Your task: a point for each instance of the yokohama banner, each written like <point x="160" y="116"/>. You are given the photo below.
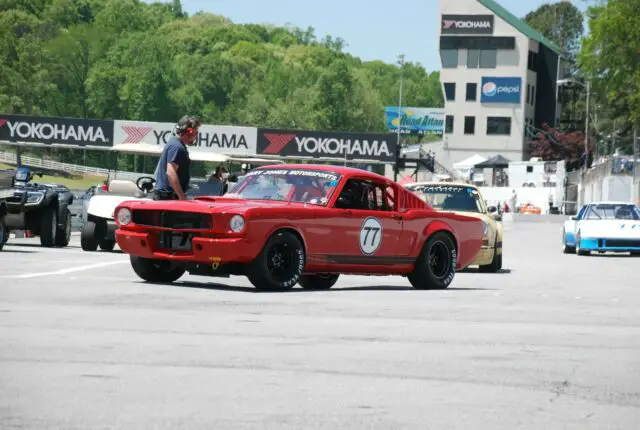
<point x="320" y="144"/>
<point x="55" y="130"/>
<point x="223" y="139"/>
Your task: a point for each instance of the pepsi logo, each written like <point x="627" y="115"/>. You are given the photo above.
<point x="489" y="89"/>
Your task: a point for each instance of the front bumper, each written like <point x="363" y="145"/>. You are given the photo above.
<point x="604" y="244"/>
<point x="204" y="250"/>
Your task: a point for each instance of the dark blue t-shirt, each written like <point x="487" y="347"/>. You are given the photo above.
<point x="173" y="152"/>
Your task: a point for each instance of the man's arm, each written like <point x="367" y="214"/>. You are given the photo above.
<point x="174" y="180"/>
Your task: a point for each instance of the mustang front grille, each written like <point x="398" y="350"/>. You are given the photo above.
<point x="171" y="219"/>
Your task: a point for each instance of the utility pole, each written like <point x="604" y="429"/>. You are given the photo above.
<point x="586" y="129"/>
<point x="401" y="63"/>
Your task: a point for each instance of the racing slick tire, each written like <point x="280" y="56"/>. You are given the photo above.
<point x="107" y="244"/>
<point x="160" y="271"/>
<point x="279" y="265"/>
<point x="318" y="282"/>
<point x="567" y="249"/>
<point x="496" y="262"/>
<point x="48" y="227"/>
<point x="579" y="250"/>
<point x="63" y="235"/>
<point x="88" y="236"/>
<point x="436" y="265"/>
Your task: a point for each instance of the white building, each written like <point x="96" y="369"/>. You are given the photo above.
<point x="498" y="76"/>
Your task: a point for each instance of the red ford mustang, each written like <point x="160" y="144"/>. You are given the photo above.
<point x="288" y="224"/>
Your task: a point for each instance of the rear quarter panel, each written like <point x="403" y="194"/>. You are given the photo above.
<point x="467" y="232"/>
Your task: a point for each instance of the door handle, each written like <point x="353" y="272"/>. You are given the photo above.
<point x="398" y="217"/>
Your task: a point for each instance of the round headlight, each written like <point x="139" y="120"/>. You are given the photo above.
<point x="124" y="216"/>
<point x="236" y="224"/>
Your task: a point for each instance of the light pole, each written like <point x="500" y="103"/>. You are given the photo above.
<point x="586" y="86"/>
<point x="401" y="63"/>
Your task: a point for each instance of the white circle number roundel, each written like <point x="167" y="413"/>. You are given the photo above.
<point x="370" y="236"/>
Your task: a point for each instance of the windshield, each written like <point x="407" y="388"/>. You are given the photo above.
<point x="305" y="186"/>
<point x="449" y="197"/>
<point x="612" y="211"/>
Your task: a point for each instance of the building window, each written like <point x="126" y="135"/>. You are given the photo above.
<point x="528" y="93"/>
<point x="482" y="58"/>
<point x="469" y="125"/>
<point x="532" y="62"/>
<point x="450" y="91"/>
<point x="533" y="95"/>
<point x="529" y="169"/>
<point x="448" y="128"/>
<point x="472" y="89"/>
<point x="488" y="59"/>
<point x="449" y="58"/>
<point x="473" y="58"/>
<point x="499" y="125"/>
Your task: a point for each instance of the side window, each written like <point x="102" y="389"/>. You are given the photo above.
<point x="365" y="195"/>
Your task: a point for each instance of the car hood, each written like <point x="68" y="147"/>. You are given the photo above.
<point x="209" y="205"/>
<point x="610" y="228"/>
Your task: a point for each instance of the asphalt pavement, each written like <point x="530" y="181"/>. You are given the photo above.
<point x="552" y="342"/>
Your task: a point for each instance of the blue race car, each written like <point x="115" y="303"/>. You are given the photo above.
<point x="603" y="227"/>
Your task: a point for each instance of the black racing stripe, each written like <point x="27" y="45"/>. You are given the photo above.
<point x="364" y="259"/>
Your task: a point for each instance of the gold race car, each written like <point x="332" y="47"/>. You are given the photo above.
<point x="466" y="200"/>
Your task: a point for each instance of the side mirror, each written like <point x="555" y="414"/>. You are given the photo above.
<point x="574" y="218"/>
<point x="492" y="209"/>
<point x="496" y="216"/>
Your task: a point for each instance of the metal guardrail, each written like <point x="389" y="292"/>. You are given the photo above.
<point x="9" y="157"/>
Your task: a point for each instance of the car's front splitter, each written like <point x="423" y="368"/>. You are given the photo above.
<point x="617" y="245"/>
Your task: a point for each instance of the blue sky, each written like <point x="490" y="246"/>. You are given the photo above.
<point x="373" y="29"/>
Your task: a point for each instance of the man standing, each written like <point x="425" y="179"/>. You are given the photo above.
<point x="173" y="172"/>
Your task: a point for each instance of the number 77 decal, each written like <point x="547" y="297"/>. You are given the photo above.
<point x="370" y="236"/>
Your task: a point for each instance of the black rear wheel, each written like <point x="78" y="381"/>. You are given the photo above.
<point x="279" y="265"/>
<point x="107" y="244"/>
<point x="161" y="271"/>
<point x="436" y="265"/>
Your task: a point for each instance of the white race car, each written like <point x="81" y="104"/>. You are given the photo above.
<point x="603" y="227"/>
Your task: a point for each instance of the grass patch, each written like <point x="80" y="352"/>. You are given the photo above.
<point x="74" y="182"/>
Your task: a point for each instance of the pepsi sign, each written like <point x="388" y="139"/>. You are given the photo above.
<point x="500" y="90"/>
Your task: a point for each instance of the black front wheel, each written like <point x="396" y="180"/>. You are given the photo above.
<point x="436" y="265"/>
<point x="318" y="282"/>
<point x="161" y="271"/>
<point x="279" y="265"/>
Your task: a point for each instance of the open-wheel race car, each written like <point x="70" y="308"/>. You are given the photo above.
<point x="300" y="224"/>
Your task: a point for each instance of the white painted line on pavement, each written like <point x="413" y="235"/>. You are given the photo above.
<point x="69" y="270"/>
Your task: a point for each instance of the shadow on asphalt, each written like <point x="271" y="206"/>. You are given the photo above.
<point x="220" y="287"/>
<point x="16" y="251"/>
<point x="476" y="270"/>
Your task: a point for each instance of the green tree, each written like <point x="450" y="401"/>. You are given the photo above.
<point x="610" y="57"/>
